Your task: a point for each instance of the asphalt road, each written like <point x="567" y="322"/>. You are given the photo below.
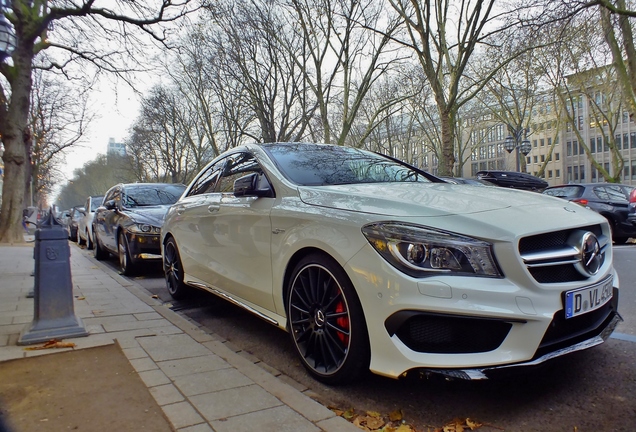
<point x="594" y="390"/>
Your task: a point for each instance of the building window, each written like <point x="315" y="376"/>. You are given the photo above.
<point x="557" y="173"/>
<point x="626" y="172"/>
<point x="549" y="173"/>
<point x="528" y="160"/>
<point x="592" y="145"/>
<point x="569" y="177"/>
<point x="556" y="156"/>
<point x="534" y="143"/>
<point x="582" y="172"/>
<point x="542" y="158"/>
<point x="593" y="170"/>
<point x="535" y="159"/>
<point x="473" y="169"/>
<point x="568" y="148"/>
<point x="576" y="173"/>
<point x="542" y="142"/>
<point x="549" y="142"/>
<point x="575" y="147"/>
<point x="618" y="142"/>
<point x="634" y="170"/>
<point x="632" y="140"/>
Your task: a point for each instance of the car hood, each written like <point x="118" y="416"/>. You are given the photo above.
<point x="420" y="199"/>
<point x="491" y="212"/>
<point x="148" y="215"/>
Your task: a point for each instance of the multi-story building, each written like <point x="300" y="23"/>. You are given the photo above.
<point x="115" y="147"/>
<point x="568" y="143"/>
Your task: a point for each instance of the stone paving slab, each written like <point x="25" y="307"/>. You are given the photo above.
<point x="201" y="383"/>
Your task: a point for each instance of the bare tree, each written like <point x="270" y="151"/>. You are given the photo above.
<point x="54" y="35"/>
<point x="445" y="36"/>
<point x="58" y="119"/>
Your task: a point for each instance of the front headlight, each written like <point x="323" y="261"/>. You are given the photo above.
<point x="420" y="252"/>
<point x="144" y="229"/>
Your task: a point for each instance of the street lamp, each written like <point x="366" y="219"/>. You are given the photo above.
<point x="7" y="37"/>
<point x="514" y="142"/>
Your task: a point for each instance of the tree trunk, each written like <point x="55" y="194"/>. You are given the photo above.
<point x="15" y="136"/>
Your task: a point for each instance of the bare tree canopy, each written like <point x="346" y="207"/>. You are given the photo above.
<point x="54" y="35"/>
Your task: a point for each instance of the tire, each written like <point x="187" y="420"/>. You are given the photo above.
<point x="326" y="321"/>
<point x="127" y="266"/>
<point x="79" y="239"/>
<point x="173" y="271"/>
<point x="89" y="241"/>
<point x="99" y="252"/>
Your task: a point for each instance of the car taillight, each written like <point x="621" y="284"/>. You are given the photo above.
<point x="632" y="196"/>
<point x="581" y="201"/>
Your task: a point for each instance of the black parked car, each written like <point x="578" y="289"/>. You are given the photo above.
<point x="129" y="222"/>
<point x="609" y="199"/>
<point x="512" y="179"/>
<point x="75" y="214"/>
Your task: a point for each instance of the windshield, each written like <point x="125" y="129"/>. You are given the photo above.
<point x="322" y="164"/>
<point x="151" y="194"/>
<point x="96" y="201"/>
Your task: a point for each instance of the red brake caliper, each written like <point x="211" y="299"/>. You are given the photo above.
<point x="343" y="323"/>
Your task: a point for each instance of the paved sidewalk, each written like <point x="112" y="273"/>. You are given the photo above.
<point x="201" y="383"/>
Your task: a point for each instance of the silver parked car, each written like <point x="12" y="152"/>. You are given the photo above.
<point x="372" y="264"/>
<point x="85" y="226"/>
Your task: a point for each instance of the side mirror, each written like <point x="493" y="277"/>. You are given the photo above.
<point x="252" y="185"/>
<point x="110" y="204"/>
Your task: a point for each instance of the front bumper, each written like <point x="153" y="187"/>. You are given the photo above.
<point x="471" y="326"/>
<point x="485" y="373"/>
<point x="144" y="247"/>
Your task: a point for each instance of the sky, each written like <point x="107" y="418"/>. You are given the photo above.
<point x="116" y="107"/>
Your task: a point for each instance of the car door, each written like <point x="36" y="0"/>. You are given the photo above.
<point x="192" y="211"/>
<point x="238" y="235"/>
<point x="108" y="236"/>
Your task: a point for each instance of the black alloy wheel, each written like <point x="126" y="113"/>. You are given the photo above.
<point x="126" y="264"/>
<point x="326" y="321"/>
<point x="173" y="271"/>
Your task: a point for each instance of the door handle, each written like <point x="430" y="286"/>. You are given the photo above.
<point x="180" y="210"/>
<point x="214" y="208"/>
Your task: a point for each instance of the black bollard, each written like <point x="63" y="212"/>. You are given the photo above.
<point x="54" y="313"/>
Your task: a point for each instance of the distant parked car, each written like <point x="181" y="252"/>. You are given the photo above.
<point x="461" y="180"/>
<point x="76" y="213"/>
<point x="129" y="222"/>
<point x="85" y="228"/>
<point x="609" y="199"/>
<point x="512" y="179"/>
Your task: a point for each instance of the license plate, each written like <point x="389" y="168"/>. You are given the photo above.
<point x="584" y="300"/>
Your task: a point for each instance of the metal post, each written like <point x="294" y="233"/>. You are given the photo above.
<point x="54" y="315"/>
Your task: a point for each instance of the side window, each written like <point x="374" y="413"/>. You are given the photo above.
<point x="207" y="180"/>
<point x="616" y="194"/>
<point x="239" y="165"/>
<point x="601" y="193"/>
<point x="111" y="194"/>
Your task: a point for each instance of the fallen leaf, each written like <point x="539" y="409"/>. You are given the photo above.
<point x="455" y="425"/>
<point x="473" y="424"/>
<point x="348" y="414"/>
<point x="81" y="298"/>
<point x="53" y="343"/>
<point x="155" y="296"/>
<point x="404" y="428"/>
<point x="336" y="411"/>
<point x="396" y="415"/>
<point x="374" y="414"/>
<point x="374" y="423"/>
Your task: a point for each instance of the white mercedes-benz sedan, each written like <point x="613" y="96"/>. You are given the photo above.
<point x="372" y="264"/>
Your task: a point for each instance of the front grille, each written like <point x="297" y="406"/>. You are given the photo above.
<point x="556" y="271"/>
<point x="566" y="332"/>
<point x="444" y="334"/>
